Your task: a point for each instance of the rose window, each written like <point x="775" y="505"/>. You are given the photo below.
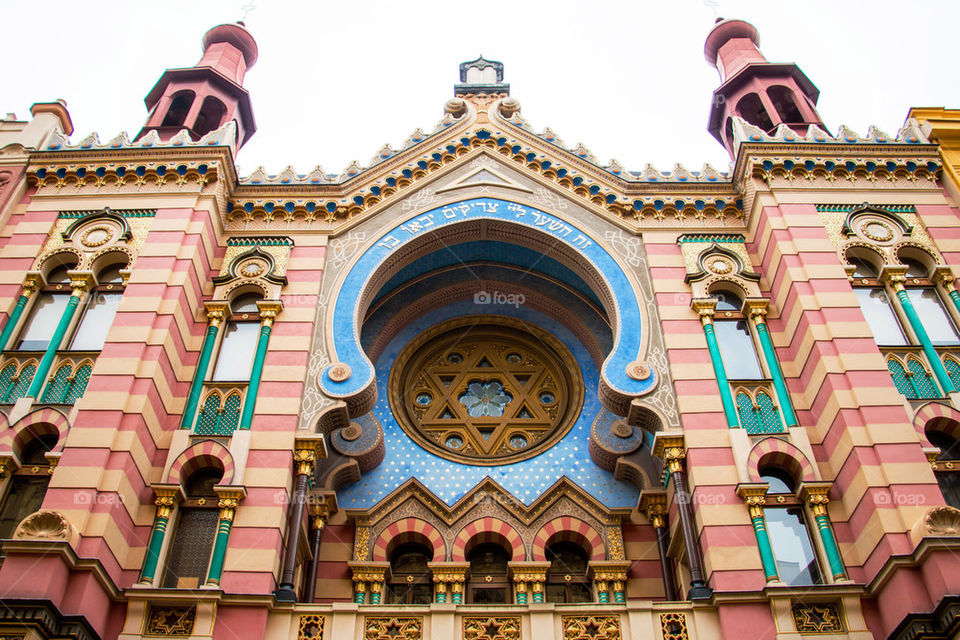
<point x="485" y="390"/>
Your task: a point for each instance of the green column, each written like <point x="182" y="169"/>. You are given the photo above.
<point x="255" y="374"/>
<point x="938" y="370"/>
<point x="47" y="361"/>
<point x="441" y="593"/>
<point x="12" y="321"/>
<point x="538" y="592"/>
<point x="521" y="593"/>
<point x="228" y="507"/>
<point x="375" y="593"/>
<point x="729" y="410"/>
<point x="164" y="504"/>
<point x="196" y="387"/>
<point x="779" y="384"/>
<point x="763" y="543"/>
<point x="360" y="593"/>
<point x="954" y="295"/>
<point x="829" y="541"/>
<point x="457" y="596"/>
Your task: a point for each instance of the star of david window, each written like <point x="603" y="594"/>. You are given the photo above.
<point x="486" y="391"/>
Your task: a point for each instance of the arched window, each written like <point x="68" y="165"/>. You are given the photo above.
<point x="948" y="479"/>
<point x="783" y="102"/>
<point x="876" y="304"/>
<point x="751" y="109"/>
<point x="790" y="539"/>
<point x="915" y="268"/>
<point x="100" y="310"/>
<point x="179" y="108"/>
<point x="410" y="581"/>
<point x="47" y="310"/>
<point x="735" y="339"/>
<point x="210" y="116"/>
<point x="28" y="485"/>
<point x="567" y="576"/>
<point x="239" y="342"/>
<point x="195" y="530"/>
<point x="488" y="574"/>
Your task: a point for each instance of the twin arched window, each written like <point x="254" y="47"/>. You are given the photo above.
<point x="732" y="327"/>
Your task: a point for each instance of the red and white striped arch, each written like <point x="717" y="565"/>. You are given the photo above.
<point x="409" y="530"/>
<point x="935" y="416"/>
<point x="568" y="529"/>
<point x="208" y="453"/>
<point x="779" y="453"/>
<point x="42" y="422"/>
<point x="487" y="530"/>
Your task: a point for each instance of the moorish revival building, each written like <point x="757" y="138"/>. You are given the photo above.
<point x="485" y="387"/>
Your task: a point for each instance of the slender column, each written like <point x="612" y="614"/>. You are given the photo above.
<point x="528" y="580"/>
<point x="268" y="313"/>
<point x="943" y="275"/>
<point x="304" y="458"/>
<point x="603" y="594"/>
<point x="166" y="498"/>
<point x="670" y="448"/>
<point x="706" y="310"/>
<point x="610" y="576"/>
<point x="654" y="505"/>
<point x="758" y="313"/>
<point x="215" y="313"/>
<point x="448" y="579"/>
<point x="230" y="498"/>
<point x="816" y="496"/>
<point x="359" y="592"/>
<point x="318" y="520"/>
<point x="755" y="496"/>
<point x="376" y="589"/>
<point x="30" y="285"/>
<point x="896" y="281"/>
<point x="79" y="284"/>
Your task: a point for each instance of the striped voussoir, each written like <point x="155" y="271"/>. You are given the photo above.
<point x="409" y="530"/>
<point x="42" y="422"/>
<point x="207" y="453"/>
<point x="779" y="453"/>
<point x="936" y="416"/>
<point x="568" y="529"/>
<point x="487" y="530"/>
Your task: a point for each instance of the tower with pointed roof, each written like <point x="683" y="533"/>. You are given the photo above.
<point x="204" y="97"/>
<point x="763" y="93"/>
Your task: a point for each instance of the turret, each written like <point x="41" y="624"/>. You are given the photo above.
<point x="765" y="94"/>
<point x="481" y="76"/>
<point x="202" y="98"/>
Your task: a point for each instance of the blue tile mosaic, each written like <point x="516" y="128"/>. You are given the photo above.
<point x="450" y="481"/>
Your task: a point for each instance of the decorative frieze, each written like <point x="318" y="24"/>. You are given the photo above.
<point x="491" y="628"/>
<point x="393" y="628"/>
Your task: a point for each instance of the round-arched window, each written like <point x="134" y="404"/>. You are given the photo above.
<point x="486" y="390"/>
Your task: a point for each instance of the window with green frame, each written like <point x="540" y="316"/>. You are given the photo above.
<point x="219" y="416"/>
<point x="758" y="414"/>
<point x="67" y="384"/>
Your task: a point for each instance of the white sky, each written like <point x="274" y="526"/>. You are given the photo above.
<point x="337" y="80"/>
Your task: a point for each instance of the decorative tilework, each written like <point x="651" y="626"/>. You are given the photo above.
<point x="820" y="617"/>
<point x="311" y="627"/>
<point x="449" y="480"/>
<point x="673" y="626"/>
<point x="486" y="628"/>
<point x="591" y="627"/>
<point x="171" y="622"/>
<point x="398" y="628"/>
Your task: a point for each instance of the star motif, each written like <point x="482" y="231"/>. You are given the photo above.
<point x="591" y="629"/>
<point x="393" y="630"/>
<point x="491" y="629"/>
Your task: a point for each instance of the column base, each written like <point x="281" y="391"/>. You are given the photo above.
<point x="285" y="594"/>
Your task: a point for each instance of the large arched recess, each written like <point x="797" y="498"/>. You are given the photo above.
<point x="351" y="377"/>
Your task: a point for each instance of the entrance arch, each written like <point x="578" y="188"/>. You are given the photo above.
<point x="351" y="376"/>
